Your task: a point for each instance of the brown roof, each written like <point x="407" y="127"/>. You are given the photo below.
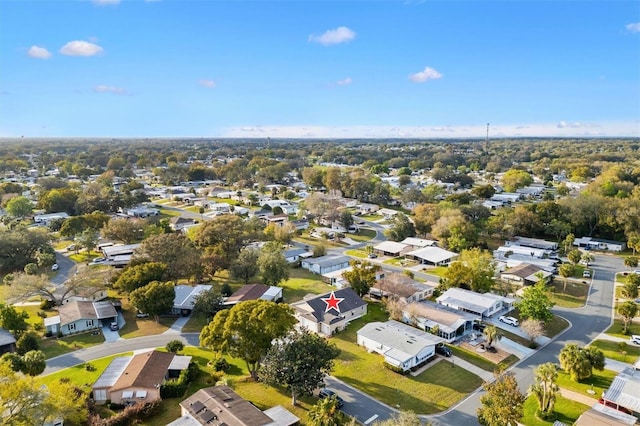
<point x="220" y="405"/>
<point x="248" y="292"/>
<point x="145" y="370"/>
<point x="523" y="270"/>
<point x="399" y="284"/>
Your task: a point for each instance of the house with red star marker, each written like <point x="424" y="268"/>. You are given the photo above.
<point x="327" y="313"/>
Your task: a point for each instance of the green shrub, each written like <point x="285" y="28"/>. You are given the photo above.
<point x="221" y="364"/>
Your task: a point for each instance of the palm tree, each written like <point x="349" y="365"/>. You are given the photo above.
<point x="545" y="389"/>
<point x="491" y="334"/>
<point x="325" y="413"/>
<point x="566" y="270"/>
<point x="628" y="310"/>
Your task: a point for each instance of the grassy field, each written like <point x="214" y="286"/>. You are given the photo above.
<point x="600" y="380"/>
<point x="195" y="324"/>
<point x="556" y="326"/>
<point x="614" y="350"/>
<point x="573" y="296"/>
<point x="567" y="411"/>
<point x="436" y="389"/>
<point x="79" y="375"/>
<point x="617" y="327"/>
<point x="302" y="282"/>
<point x="53" y="346"/>
<point x="363" y="236"/>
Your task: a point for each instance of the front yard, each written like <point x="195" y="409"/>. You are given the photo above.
<point x="620" y="351"/>
<point x="617" y="327"/>
<point x="567" y="411"/>
<point x="598" y="382"/>
<point x="434" y="390"/>
<point x="574" y="295"/>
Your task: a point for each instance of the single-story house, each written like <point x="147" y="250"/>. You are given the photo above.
<point x="220" y="207"/>
<point x="296" y="253"/>
<point x="337" y="279"/>
<point x="277" y="219"/>
<point x="85" y="294"/>
<point x="532" y="242"/>
<point x="391" y="248"/>
<point x="79" y="316"/>
<point x="524" y="251"/>
<point x="141" y="212"/>
<point x="402" y="288"/>
<point x="312" y="313"/>
<point x="512" y="260"/>
<point x="300" y="224"/>
<point x="624" y="392"/>
<point x="590" y="243"/>
<point x="525" y="274"/>
<point x="137" y="378"/>
<point x="185" y="298"/>
<point x="600" y="414"/>
<point x="387" y="213"/>
<point x="113" y="251"/>
<point x="449" y="322"/>
<point x="367" y="208"/>
<point x="7" y="342"/>
<point x="401" y="345"/>
<point x="255" y="292"/>
<point x="482" y="304"/>
<point x="416" y="243"/>
<point x="323" y="264"/>
<point x="220" y="405"/>
<point x="507" y="197"/>
<point x="435" y="256"/>
<point x="45" y="219"/>
<point x="178" y="223"/>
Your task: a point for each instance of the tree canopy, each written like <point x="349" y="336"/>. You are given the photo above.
<point x="579" y="362"/>
<point x="300" y="361"/>
<point x="247" y="330"/>
<point x="155" y="298"/>
<point x="362" y="276"/>
<point x="503" y="403"/>
<point x="535" y="303"/>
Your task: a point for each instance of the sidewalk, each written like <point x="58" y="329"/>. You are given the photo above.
<point x="617" y="366"/>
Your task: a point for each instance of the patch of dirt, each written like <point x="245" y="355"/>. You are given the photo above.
<point x="493" y="357"/>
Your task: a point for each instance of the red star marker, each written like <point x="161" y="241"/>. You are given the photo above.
<point x="332" y="302"/>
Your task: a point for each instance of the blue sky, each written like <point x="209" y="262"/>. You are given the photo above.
<point x="230" y="68"/>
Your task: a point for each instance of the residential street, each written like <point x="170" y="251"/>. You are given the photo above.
<point x="587" y="323"/>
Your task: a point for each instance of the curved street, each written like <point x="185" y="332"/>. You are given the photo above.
<point x="586" y="324"/>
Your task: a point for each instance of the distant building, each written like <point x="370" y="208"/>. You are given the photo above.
<point x="525" y="274"/>
<point x="322" y="265"/>
<point x="255" y="292"/>
<point x="590" y="243"/>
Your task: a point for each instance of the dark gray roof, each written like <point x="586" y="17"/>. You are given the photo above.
<point x="6" y="338"/>
<point x="350" y="302"/>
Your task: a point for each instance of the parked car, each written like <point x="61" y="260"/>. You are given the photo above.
<point x="55" y="267"/>
<point x="72" y="247"/>
<point x="141" y="315"/>
<point x="98" y="260"/>
<point x="372" y="255"/>
<point x="443" y="350"/>
<point x="114" y="326"/>
<point x="586" y="274"/>
<point x="478" y="326"/>
<point x="509" y="320"/>
<point x="328" y="393"/>
<point x="635" y="339"/>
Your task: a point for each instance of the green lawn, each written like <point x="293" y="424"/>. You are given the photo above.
<point x="600" y="380"/>
<point x="614" y="350"/>
<point x="438" y="270"/>
<point x="616" y="329"/>
<point x="302" y="282"/>
<point x="556" y="326"/>
<point x="480" y="361"/>
<point x="53" y="347"/>
<point x="357" y="253"/>
<point x="567" y="411"/>
<point x="79" y="375"/>
<point x="363" y="235"/>
<point x="573" y="296"/>
<point x="195" y="324"/>
<point x="436" y="389"/>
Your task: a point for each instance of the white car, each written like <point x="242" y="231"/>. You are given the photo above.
<point x="509" y="320"/>
<point x="635" y="339"/>
<point x="55" y="267"/>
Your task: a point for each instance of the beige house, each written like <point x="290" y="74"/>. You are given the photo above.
<point x="403" y="288"/>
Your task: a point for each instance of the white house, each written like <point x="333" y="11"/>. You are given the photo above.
<point x="419" y="242"/>
<point x="45" y="219"/>
<point x="79" y="316"/>
<point x="590" y="243"/>
<point x="322" y="265"/>
<point x="435" y="256"/>
<point x="429" y="316"/>
<point x="484" y="305"/>
<point x="186" y="297"/>
<point x="532" y="242"/>
<point x="401" y="345"/>
<point x="391" y="248"/>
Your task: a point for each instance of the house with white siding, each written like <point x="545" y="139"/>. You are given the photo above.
<point x="312" y="313"/>
<point x="482" y="304"/>
<point x="322" y="265"/>
<point x="78" y="316"/>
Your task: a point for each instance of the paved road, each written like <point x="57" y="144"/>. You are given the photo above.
<point x="358" y="404"/>
<point x="66" y="268"/>
<point x="587" y="323"/>
<point x="113" y="348"/>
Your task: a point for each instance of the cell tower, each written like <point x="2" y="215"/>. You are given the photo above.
<point x="487" y="139"/>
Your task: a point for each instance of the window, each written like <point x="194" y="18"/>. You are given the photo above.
<point x="89" y="323"/>
<point x="71" y="326"/>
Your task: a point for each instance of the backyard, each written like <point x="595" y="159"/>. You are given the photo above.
<point x="434" y="390"/>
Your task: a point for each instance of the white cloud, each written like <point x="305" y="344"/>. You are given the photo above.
<point x="478" y="131"/>
<point x="422" y="76"/>
<point x="38" y="52"/>
<point x="207" y="83"/>
<point x="110" y="89"/>
<point x="575" y="125"/>
<point x="105" y="2"/>
<point x="633" y="27"/>
<point x="344" y="82"/>
<point x="80" y="48"/>
<point x="335" y="36"/>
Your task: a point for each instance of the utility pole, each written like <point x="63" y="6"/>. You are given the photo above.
<point x="487" y="139"/>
